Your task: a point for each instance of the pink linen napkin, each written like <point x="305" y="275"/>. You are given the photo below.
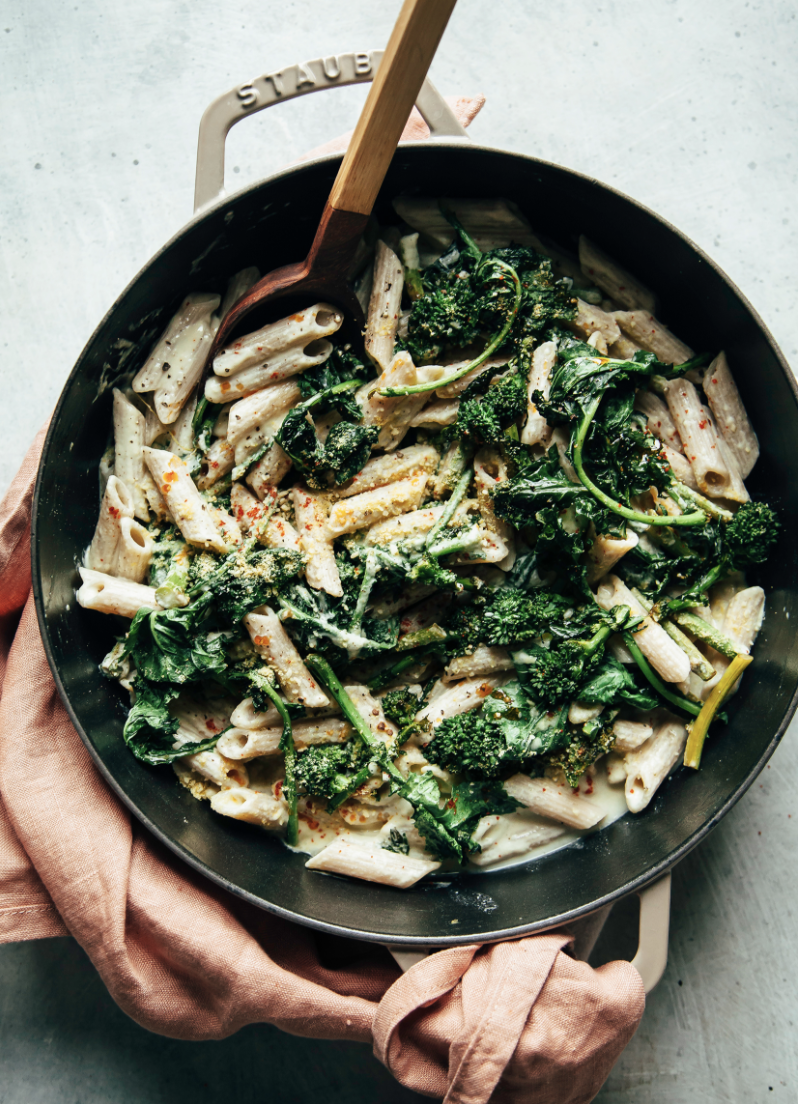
<point x="514" y="1022"/>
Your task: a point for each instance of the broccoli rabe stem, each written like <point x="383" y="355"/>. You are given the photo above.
<point x="288" y="749"/>
<point x="706" y="632"/>
<point x="489" y="350"/>
<point x="695" y="596"/>
<point x="324" y="672"/>
<point x="696" y="518"/>
<point x="370" y="568"/>
<point x="683" y="494"/>
<point x="700" y="726"/>
<point x="457" y="496"/>
<point x="660" y="686"/>
<point x="390" y="674"/>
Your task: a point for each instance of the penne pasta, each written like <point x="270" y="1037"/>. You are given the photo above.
<point x="108" y="594"/>
<point x="648" y="766"/>
<point x="605" y="552"/>
<point x="117" y="503"/>
<point x="372" y="864"/>
<point x="133" y="551"/>
<point x="243" y="744"/>
<point x="482" y="661"/>
<point x="129" y="430"/>
<point x="536" y="431"/>
<point x="293" y="332"/>
<point x="364" y="510"/>
<point x="275" y="645"/>
<point x="193" y="516"/>
<point x="241" y="803"/>
<point x="383" y="312"/>
<point x="664" y="655"/>
<point x="649" y="334"/>
<point x="315" y="541"/>
<point x="730" y="414"/>
<point x="548" y="799"/>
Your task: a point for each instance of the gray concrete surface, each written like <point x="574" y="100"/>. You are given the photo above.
<point x="688" y="106"/>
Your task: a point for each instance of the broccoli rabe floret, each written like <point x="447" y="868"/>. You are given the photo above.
<point x="400" y="706"/>
<point x="324" y="770"/>
<point x="750" y="535"/>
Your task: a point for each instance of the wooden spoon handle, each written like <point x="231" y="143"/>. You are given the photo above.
<point x="411" y="48"/>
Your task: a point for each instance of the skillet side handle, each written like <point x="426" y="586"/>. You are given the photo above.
<point x="655" y="918"/>
<point x="286" y="84"/>
<point x="652" y="948"/>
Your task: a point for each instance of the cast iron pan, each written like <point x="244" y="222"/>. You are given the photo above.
<point x="270" y="224"/>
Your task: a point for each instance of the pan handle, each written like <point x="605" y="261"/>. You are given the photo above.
<point x="285" y="84"/>
<point x="652" y="947"/>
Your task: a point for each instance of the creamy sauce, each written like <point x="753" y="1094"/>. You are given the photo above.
<point x="511" y="840"/>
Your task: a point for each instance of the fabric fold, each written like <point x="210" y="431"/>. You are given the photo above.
<point x="516" y="1021"/>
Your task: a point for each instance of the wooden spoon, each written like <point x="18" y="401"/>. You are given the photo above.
<point x="324" y="272"/>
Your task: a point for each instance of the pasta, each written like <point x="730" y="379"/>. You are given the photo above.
<point x="451" y="596"/>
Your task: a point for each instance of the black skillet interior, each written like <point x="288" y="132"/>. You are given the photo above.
<point x="271" y="224"/>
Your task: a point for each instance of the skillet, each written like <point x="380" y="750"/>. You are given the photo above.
<point x="271" y="223"/>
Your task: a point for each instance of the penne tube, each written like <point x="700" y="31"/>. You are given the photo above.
<point x="364" y="510"/>
<point x="648" y="766"/>
<point x="108" y="594"/>
<point x="664" y="655"/>
<point x="615" y="767"/>
<point x="129" y="429"/>
<point x="658" y="419"/>
<point x="260" y="409"/>
<point x="605" y="552"/>
<point x="681" y="467"/>
<point x="590" y="320"/>
<point x="371" y="863"/>
<point x="454" y="390"/>
<point x="280" y="367"/>
<point x="650" y="334"/>
<point x="536" y="431"/>
<point x="482" y="661"/>
<point x="238" y="285"/>
<point x="624" y="348"/>
<point x="133" y="550"/>
<point x="252" y="806"/>
<point x="243" y="744"/>
<point x="315" y="540"/>
<point x="245" y="715"/>
<point x="220" y="459"/>
<point x="193" y="516"/>
<point x="279" y="533"/>
<point x="384" y="304"/>
<point x="277" y="648"/>
<point x="618" y="284"/>
<point x="382" y="470"/>
<point x="730" y="414"/>
<point x="117" y="503"/>
<point x="272" y="341"/>
<point x="216" y="768"/>
<point x="559" y="802"/>
<point x="488" y="548"/>
<point x="269" y="472"/>
<point x="179" y="347"/>
<point x="630" y="735"/>
<point x="490" y="470"/>
<point x="182" y="428"/>
<point x="491" y="835"/>
<point x="699" y="437"/>
<point x="182" y="373"/>
<point x="413" y="524"/>
<point x="394" y="415"/>
<point x="442" y="412"/>
<point x="579" y="713"/>
<point x="736" y="491"/>
<point x="597" y="341"/>
<point x="744" y="616"/>
<point x="457" y="698"/>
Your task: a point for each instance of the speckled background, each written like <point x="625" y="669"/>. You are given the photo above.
<point x="691" y="108"/>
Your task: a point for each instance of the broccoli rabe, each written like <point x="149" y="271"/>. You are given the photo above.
<point x="325" y="770"/>
<point x="495" y="739"/>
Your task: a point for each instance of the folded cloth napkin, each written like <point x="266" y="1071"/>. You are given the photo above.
<point x="512" y="1022"/>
